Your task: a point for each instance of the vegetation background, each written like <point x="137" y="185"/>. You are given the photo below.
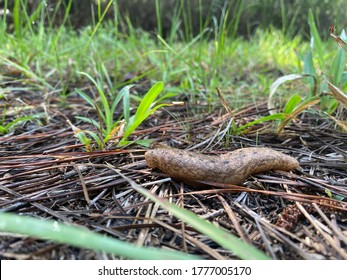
<point x="289" y="16"/>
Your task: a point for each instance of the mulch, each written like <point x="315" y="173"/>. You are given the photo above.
<point x="45" y="172"/>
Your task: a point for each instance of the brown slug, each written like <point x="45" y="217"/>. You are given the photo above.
<point x="230" y="168"/>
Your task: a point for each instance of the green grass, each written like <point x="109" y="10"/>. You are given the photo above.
<point x="83" y="238"/>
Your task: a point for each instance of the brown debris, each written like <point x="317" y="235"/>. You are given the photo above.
<point x="45" y="172"/>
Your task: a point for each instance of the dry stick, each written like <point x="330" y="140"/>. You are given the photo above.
<point x="335" y="229"/>
<point x="115" y="199"/>
<point x="266" y="240"/>
<point x="83" y="183"/>
<point x="273" y="230"/>
<point x="193" y="240"/>
<point x="290" y="196"/>
<point x="327" y="237"/>
<point x="144" y="232"/>
<point x="233" y="219"/>
<point x="37" y="205"/>
<point x="150" y="215"/>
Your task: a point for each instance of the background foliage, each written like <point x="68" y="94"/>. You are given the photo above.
<point x="289" y="16"/>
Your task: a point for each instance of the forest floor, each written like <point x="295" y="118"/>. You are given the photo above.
<point x="289" y="215"/>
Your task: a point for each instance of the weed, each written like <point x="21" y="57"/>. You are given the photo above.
<point x="107" y="127"/>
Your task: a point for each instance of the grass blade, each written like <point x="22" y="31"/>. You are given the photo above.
<point x="226" y="240"/>
<point x="339" y="62"/>
<point x="277" y="116"/>
<point x="316" y="42"/>
<point x="83" y="238"/>
<point x="291" y="104"/>
<point x="275" y="85"/>
<point x="148" y="99"/>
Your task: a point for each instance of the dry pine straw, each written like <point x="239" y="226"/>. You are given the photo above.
<point x="289" y="215"/>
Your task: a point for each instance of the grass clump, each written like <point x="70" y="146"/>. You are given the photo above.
<point x="107" y="127"/>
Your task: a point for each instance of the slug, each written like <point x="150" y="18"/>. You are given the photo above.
<point x="230" y="168"/>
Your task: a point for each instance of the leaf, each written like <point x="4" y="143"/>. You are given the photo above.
<point x="89" y="100"/>
<point x="10" y="126"/>
<point x="303" y="106"/>
<point x="126" y="104"/>
<point x="316" y="42"/>
<point x="278" y="116"/>
<point x="106" y="113"/>
<point x="308" y="64"/>
<point x="338" y="94"/>
<point x="89" y="120"/>
<point x="338" y="66"/>
<point x="291" y="104"/>
<point x="275" y="85"/>
<point x="148" y="99"/>
<point x="136" y="122"/>
<point x="96" y="138"/>
<point x="144" y="110"/>
<point x="341" y="41"/>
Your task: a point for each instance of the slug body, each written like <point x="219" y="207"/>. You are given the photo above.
<point x="230" y="168"/>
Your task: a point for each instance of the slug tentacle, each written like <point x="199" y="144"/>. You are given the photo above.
<point x="229" y="168"/>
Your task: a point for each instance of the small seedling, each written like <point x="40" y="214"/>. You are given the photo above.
<point x="107" y="128"/>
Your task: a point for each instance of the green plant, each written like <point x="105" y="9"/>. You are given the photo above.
<point x="316" y="72"/>
<point x="107" y="126"/>
<point x="83" y="238"/>
<point x="315" y="65"/>
<point x="293" y="107"/>
<point x="10" y="126"/>
<point x="6" y="128"/>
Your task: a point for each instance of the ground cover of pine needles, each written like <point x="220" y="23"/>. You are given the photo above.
<point x="288" y="215"/>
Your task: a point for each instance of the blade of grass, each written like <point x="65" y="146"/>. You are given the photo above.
<point x="83" y="238"/>
<point x="275" y="85"/>
<point x="277" y="116"/>
<point x="291" y="104"/>
<point x="148" y="99"/>
<point x="316" y="42"/>
<point x="223" y="238"/>
<point x="339" y="62"/>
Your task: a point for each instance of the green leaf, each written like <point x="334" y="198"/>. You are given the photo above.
<point x="83" y="238"/>
<point x="96" y="138"/>
<point x="308" y="64"/>
<point x="89" y="100"/>
<point x="108" y="117"/>
<point x="136" y="122"/>
<point x="148" y="99"/>
<point x="126" y="103"/>
<point x="10" y="126"/>
<point x="291" y="104"/>
<point x="89" y="120"/>
<point x="277" y="116"/>
<point x="338" y="66"/>
<point x="316" y="42"/>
